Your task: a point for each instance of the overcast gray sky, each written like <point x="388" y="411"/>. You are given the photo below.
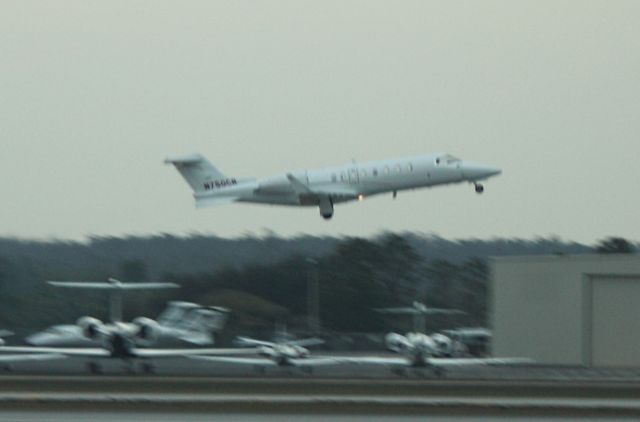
<point x="95" y="94"/>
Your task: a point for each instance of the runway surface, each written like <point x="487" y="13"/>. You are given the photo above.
<point x="198" y="368"/>
<point x="248" y="417"/>
<point x="188" y="390"/>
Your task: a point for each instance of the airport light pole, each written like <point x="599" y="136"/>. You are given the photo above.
<point x="313" y="299"/>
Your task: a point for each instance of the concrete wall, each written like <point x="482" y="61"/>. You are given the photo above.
<point x="566" y="309"/>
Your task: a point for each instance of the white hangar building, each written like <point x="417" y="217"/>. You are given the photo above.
<point x="567" y="309"/>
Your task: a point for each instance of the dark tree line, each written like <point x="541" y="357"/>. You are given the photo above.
<point x="262" y="280"/>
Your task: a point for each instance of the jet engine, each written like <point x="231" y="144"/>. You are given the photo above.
<point x="301" y="351"/>
<point x="444" y="345"/>
<point x="396" y="342"/>
<point x="90" y="327"/>
<point x="266" y="351"/>
<point x="147" y="330"/>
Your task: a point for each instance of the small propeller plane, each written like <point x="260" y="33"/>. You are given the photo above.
<point x="421" y="351"/>
<point x="282" y="353"/>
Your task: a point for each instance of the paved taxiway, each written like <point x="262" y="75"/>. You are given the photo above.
<point x="61" y="390"/>
<point x="198" y="368"/>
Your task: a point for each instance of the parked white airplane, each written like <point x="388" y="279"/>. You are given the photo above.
<point x="422" y="351"/>
<point x="289" y="353"/>
<point x="119" y="347"/>
<point x="117" y="339"/>
<point x="419" y="311"/>
<point x="181" y="323"/>
<point x="328" y="186"/>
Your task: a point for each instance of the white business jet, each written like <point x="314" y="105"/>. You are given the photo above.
<point x="328" y="186"/>
<point x="117" y="339"/>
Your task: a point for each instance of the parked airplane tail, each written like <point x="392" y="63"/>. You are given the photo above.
<point x="199" y="173"/>
<point x="195" y="317"/>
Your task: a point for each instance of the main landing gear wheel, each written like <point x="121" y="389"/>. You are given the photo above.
<point x="129" y="368"/>
<point x="401" y="372"/>
<point x="326" y="208"/>
<point x="148" y="368"/>
<point x="94" y="368"/>
<point x="438" y="372"/>
<point x="479" y="188"/>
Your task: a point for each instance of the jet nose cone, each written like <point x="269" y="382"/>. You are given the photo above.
<point x="476" y="171"/>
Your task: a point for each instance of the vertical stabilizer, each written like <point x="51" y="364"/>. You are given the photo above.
<point x="199" y="173"/>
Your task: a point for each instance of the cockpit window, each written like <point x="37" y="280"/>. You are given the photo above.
<point x="447" y="159"/>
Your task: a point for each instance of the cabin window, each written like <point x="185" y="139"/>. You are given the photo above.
<point x="386" y="169"/>
<point x="334" y="178"/>
<point x="343" y="176"/>
<point x="409" y="167"/>
<point x="398" y="168"/>
<point x="375" y="172"/>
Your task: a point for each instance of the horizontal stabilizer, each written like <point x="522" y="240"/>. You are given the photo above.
<point x="215" y="200"/>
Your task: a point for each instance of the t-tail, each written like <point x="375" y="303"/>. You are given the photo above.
<point x="209" y="185"/>
<point x="199" y="173"/>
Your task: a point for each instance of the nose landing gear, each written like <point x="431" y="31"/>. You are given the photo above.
<point x="479" y="187"/>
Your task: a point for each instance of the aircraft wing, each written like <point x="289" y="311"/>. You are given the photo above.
<point x="437" y="362"/>
<point x="325" y="361"/>
<point x="462" y="362"/>
<point x="246" y="341"/>
<point x="89" y="352"/>
<point x="306" y="342"/>
<point x="444" y="311"/>
<point x="297" y="185"/>
<point x="373" y="360"/>
<point x="413" y="311"/>
<point x="30" y="357"/>
<point x="170" y="353"/>
<point x="84" y="284"/>
<point x="311" y="361"/>
<point x="336" y="192"/>
<point x="236" y="361"/>
<point x="406" y="310"/>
